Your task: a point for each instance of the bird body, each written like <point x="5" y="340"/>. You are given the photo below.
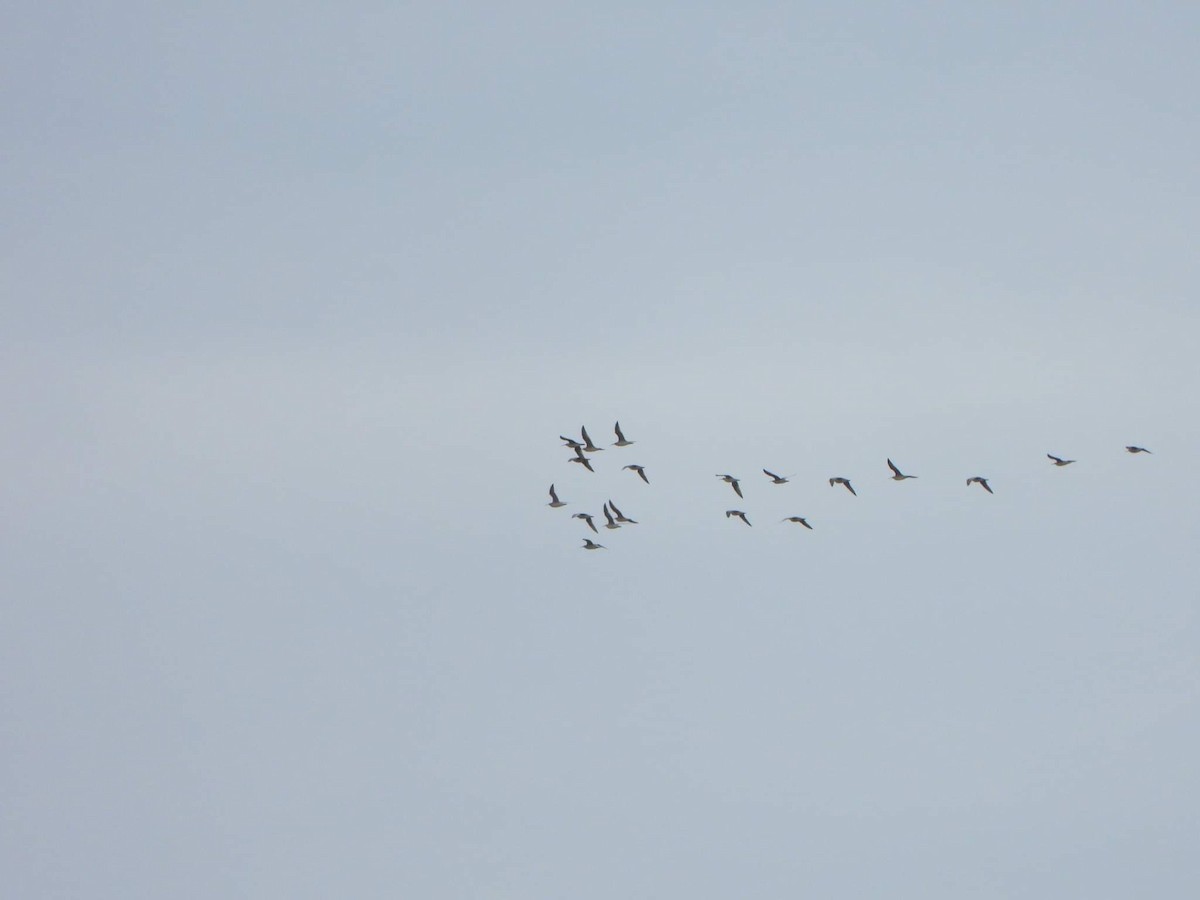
<point x="554" y="501"/>
<point x="621" y="517"/>
<point x="620" y="442"/>
<point x="982" y="482"/>
<point x="800" y="520"/>
<point x="897" y="475"/>
<point x="1133" y="449"/>
<point x="775" y="479"/>
<point x="581" y="459"/>
<point x="641" y="470"/>
<point x="588" y="446"/>
<point x="1059" y="462"/>
<point x="608" y="515"/>
<point x="730" y="513"/>
<point x="589" y="544"/>
<point x="587" y="518"/>
<point x="845" y="482"/>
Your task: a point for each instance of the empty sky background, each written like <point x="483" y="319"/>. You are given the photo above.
<point x="296" y="298"/>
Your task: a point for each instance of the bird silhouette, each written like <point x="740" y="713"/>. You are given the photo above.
<point x="621" y="517"/>
<point x="588" y="446"/>
<point x="982" y="482"/>
<point x="608" y="515"/>
<point x="641" y="470"/>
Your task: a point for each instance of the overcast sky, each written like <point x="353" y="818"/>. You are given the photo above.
<point x="295" y="300"/>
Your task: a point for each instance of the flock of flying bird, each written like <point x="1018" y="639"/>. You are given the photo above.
<point x="615" y="518"/>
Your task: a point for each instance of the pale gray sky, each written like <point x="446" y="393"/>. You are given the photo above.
<point x="296" y="300"/>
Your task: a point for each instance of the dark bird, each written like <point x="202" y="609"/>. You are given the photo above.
<point x="982" y="482"/>
<point x="587" y="518"/>
<point x="1059" y="462"/>
<point x="641" y="470"/>
<point x="623" y="519"/>
<point x="775" y="479"/>
<point x="554" y="501"/>
<point x="588" y="544"/>
<point x="621" y="442"/>
<point x="1132" y="449"/>
<point x="843" y="481"/>
<point x="800" y="520"/>
<point x="608" y="515"/>
<point x="897" y="475"/>
<point x="588" y="446"/>
<point x="571" y="442"/>
<point x="729" y="513"/>
<point x="581" y="459"/>
<point x="733" y="482"/>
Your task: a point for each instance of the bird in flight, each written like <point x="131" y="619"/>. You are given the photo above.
<point x="982" y="482"/>
<point x="589" y="544"/>
<point x="729" y="513"/>
<point x="581" y="459"/>
<point x="621" y="442"/>
<point x="554" y="501"/>
<point x="843" y="481"/>
<point x="1133" y="449"/>
<point x="897" y="475"/>
<point x="570" y="442"/>
<point x="621" y="517"/>
<point x="733" y="483"/>
<point x="608" y="515"/>
<point x="1059" y="462"/>
<point x="641" y="470"/>
<point x="588" y="446"/>
<point x="775" y="479"/>
<point x="799" y="520"/>
<point x="587" y="518"/>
